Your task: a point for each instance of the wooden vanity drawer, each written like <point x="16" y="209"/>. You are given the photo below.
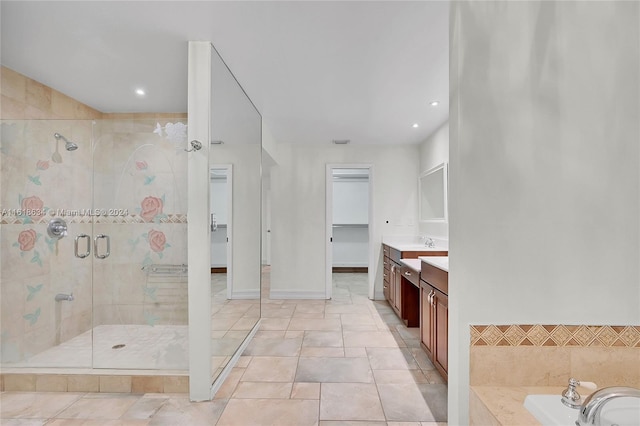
<point x="410" y="275"/>
<point x="435" y="276"/>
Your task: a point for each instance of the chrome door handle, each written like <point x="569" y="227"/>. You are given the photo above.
<point x="95" y="246"/>
<point x="76" y="242"/>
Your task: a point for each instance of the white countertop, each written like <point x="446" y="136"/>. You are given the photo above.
<point x="414" y="264"/>
<point x="440" y="262"/>
<point x="414" y="243"/>
<point x="414" y="247"/>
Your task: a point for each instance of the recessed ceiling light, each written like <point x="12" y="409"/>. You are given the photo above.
<point x="415" y="125"/>
<point x="434" y="103"/>
<point x="140" y="92"/>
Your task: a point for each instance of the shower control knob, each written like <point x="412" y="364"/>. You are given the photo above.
<point x="57" y="228"/>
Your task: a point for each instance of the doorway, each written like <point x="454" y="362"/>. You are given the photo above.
<point x="348" y="228"/>
<point x="220" y="223"/>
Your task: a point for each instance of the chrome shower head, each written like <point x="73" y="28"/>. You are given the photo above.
<point x="68" y="145"/>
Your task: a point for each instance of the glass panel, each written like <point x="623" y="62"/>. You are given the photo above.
<point x="45" y="288"/>
<point x="140" y="244"/>
<point x="236" y="133"/>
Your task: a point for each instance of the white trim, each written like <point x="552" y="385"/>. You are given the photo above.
<point x="296" y="294"/>
<point x="329" y="226"/>
<point x="445" y="195"/>
<point x="328" y="233"/>
<point x="246" y="294"/>
<point x="198" y="231"/>
<point x="219" y="381"/>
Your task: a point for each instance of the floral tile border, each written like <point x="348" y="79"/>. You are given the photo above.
<point x="555" y="335"/>
<point x="128" y="219"/>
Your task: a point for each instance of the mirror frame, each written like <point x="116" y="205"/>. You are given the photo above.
<point x="445" y="183"/>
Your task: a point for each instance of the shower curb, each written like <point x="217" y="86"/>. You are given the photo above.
<point x="99" y="383"/>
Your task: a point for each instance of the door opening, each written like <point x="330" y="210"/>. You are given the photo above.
<point x="220" y="186"/>
<point x="348" y="230"/>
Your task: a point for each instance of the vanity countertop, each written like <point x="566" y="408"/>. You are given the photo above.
<point x="413" y="264"/>
<point x="440" y="262"/>
<point x="414" y="243"/>
<point x="504" y="405"/>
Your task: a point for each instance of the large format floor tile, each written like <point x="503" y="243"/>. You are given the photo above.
<point x="350" y="401"/>
<point x="269" y="412"/>
<point x="348" y="361"/>
<point x="334" y="370"/>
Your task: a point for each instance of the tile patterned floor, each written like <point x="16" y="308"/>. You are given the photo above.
<point x="347" y="361"/>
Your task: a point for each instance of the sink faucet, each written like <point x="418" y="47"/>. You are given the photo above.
<point x="592" y="406"/>
<point x="428" y="241"/>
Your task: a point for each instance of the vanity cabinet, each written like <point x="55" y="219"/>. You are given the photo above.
<point x="434" y="316"/>
<point x="392" y="275"/>
<point x="402" y="290"/>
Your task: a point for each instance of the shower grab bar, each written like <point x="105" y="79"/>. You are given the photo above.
<point x="87" y="250"/>
<point x="160" y="269"/>
<point x="95" y="246"/>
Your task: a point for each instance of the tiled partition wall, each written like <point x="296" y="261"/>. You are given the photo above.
<point x="548" y="355"/>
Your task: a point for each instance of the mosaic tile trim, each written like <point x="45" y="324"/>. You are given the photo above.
<point x="555" y="335"/>
<point x="128" y="219"/>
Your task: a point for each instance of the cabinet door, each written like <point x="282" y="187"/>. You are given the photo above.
<point x="392" y="285"/>
<point x="426" y="319"/>
<point x="397" y="298"/>
<point x="441" y="350"/>
<point x="386" y="279"/>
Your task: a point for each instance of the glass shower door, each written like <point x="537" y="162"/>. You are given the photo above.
<point x="45" y="289"/>
<point x="139" y="244"/>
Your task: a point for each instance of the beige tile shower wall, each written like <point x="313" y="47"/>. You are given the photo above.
<point x="26" y="99"/>
<point x="537" y="355"/>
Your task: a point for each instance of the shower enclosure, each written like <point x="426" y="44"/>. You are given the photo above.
<point x="94" y="243"/>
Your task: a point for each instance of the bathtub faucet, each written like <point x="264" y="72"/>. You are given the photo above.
<point x="592" y="406"/>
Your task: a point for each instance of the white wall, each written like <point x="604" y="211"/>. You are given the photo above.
<point x="298" y="209"/>
<point x="434" y="151"/>
<point x="544" y="181"/>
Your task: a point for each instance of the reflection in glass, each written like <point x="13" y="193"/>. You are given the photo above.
<point x="236" y="136"/>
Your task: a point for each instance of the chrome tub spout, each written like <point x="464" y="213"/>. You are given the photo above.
<point x="592" y="406"/>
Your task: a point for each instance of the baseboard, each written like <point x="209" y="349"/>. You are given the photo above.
<point x="350" y="269"/>
<point x="222" y="270"/>
<point x="245" y="294"/>
<point x="292" y="294"/>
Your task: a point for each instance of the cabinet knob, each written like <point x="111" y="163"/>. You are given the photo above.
<point x="407" y="273"/>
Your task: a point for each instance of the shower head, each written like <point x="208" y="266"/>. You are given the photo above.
<point x="68" y="145"/>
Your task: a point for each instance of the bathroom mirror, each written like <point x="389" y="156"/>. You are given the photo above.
<point x="432" y="190"/>
<point x="235" y="213"/>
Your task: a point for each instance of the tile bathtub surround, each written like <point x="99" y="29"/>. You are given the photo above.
<point x="547" y="355"/>
<point x="555" y="335"/>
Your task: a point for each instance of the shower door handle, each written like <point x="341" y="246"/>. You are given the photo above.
<point x="87" y="249"/>
<point x="95" y="246"/>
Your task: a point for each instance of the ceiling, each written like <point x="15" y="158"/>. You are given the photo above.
<point x="316" y="71"/>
